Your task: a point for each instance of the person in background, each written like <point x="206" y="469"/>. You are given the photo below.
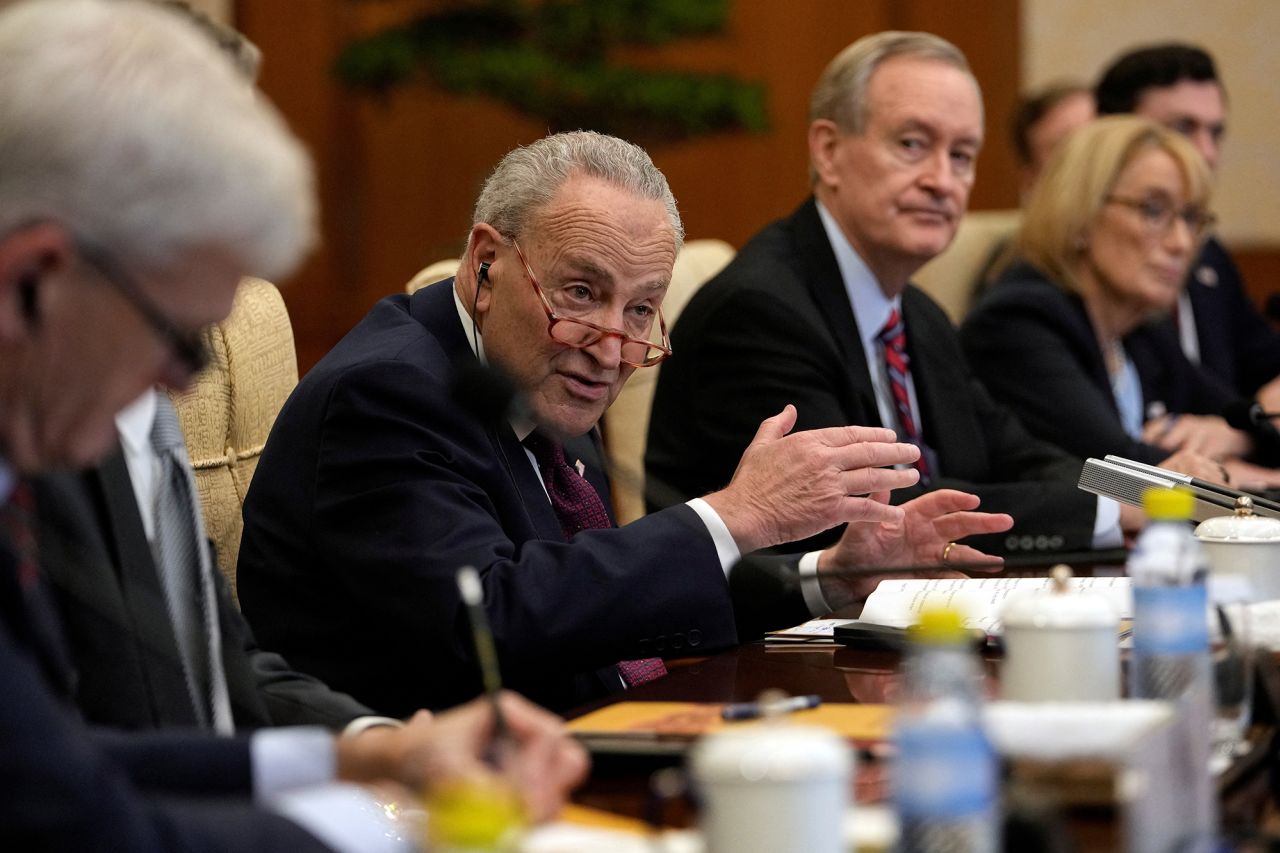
<point x="1064" y="338"/>
<point x="1177" y="85"/>
<point x="817" y="310"/>
<point x="1040" y="121"/>
<point x="1043" y="118"/>
<point x="140" y="178"/>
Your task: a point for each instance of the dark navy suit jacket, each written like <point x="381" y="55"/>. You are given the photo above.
<point x="375" y="487"/>
<point x="1237" y="344"/>
<point x="776" y="327"/>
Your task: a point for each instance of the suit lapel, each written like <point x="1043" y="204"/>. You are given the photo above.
<point x="821" y="272"/>
<point x="433" y="307"/>
<point x="144" y="599"/>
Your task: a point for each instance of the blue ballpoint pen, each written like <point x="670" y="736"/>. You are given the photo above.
<point x="754" y="710"/>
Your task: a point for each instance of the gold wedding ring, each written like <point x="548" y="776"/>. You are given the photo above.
<point x="946" y="552"/>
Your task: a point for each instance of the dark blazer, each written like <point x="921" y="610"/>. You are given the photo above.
<point x="95" y="552"/>
<point x="375" y="487"/>
<point x="776" y="327"/>
<point x="1237" y="344"/>
<point x="69" y="787"/>
<point x="1031" y="343"/>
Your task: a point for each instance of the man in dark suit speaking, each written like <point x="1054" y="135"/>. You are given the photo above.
<point x="376" y="485"/>
<point x="817" y="310"/>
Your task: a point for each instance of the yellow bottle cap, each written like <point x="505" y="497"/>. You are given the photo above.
<point x="939" y="626"/>
<point x="1162" y="504"/>
<point x="474" y="815"/>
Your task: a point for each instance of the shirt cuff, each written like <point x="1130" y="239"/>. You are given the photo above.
<point x="291" y="757"/>
<point x="726" y="548"/>
<point x="360" y="725"/>
<point x="1106" y="525"/>
<point x="809" y="586"/>
<point x="348" y="819"/>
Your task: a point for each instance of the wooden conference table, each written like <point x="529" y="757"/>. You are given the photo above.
<point x="621" y="783"/>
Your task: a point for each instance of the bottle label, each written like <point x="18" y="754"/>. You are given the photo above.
<point x="1170" y="620"/>
<point x="943" y="772"/>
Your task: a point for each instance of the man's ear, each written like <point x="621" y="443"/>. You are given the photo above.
<point x="482" y="253"/>
<point x="27" y="257"/>
<point x="824" y="139"/>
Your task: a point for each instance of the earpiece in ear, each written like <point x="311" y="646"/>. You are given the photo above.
<point x="482" y="275"/>
<point x="27" y="300"/>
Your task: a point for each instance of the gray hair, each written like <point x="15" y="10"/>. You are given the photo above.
<point x="128" y="126"/>
<point x="528" y="178"/>
<point x="841" y="92"/>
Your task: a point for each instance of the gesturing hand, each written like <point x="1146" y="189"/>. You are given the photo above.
<point x="789" y="487"/>
<point x="929" y="524"/>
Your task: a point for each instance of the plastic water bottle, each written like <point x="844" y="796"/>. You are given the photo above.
<point x="1171" y="658"/>
<point x="945" y="777"/>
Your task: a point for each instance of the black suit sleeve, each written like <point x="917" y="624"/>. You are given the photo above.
<point x="291" y="698"/>
<point x="64" y="792"/>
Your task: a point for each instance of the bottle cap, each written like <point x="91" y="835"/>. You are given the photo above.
<point x="939" y="626"/>
<point x="1168" y="504"/>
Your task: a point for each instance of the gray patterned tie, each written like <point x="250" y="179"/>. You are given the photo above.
<point x="186" y="573"/>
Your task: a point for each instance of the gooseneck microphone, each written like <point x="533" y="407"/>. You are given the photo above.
<point x="1249" y="416"/>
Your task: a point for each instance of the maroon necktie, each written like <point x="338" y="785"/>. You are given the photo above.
<point x="893" y="337"/>
<point x="578" y="507"/>
<point x="15" y="526"/>
<point x="39" y="623"/>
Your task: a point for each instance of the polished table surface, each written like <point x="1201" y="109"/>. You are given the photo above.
<point x="621" y="784"/>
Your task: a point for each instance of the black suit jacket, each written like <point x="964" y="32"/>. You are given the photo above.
<point x="69" y="787"/>
<point x="1032" y="345"/>
<point x="95" y="552"/>
<point x="375" y="487"/>
<point x="776" y="327"/>
<point x="1237" y="344"/>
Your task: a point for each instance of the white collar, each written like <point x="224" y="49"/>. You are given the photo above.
<point x="471" y="331"/>
<point x="134" y="422"/>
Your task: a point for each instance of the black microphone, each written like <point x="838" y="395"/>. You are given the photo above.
<point x="1249" y="416"/>
<point x="489" y="395"/>
<point x="1273" y="307"/>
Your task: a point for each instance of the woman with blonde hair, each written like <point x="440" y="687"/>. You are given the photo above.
<point x="1074" y="337"/>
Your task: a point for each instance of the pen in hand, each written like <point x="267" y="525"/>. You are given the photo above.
<point x="486" y="654"/>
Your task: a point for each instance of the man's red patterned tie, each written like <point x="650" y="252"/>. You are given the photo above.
<point x="893" y="337"/>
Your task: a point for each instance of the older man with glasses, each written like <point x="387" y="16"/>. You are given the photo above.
<point x="376" y="485"/>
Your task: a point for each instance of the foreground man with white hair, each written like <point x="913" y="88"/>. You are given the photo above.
<point x="140" y="178"/>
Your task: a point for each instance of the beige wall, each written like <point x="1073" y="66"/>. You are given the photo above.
<point x="1076" y="38"/>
